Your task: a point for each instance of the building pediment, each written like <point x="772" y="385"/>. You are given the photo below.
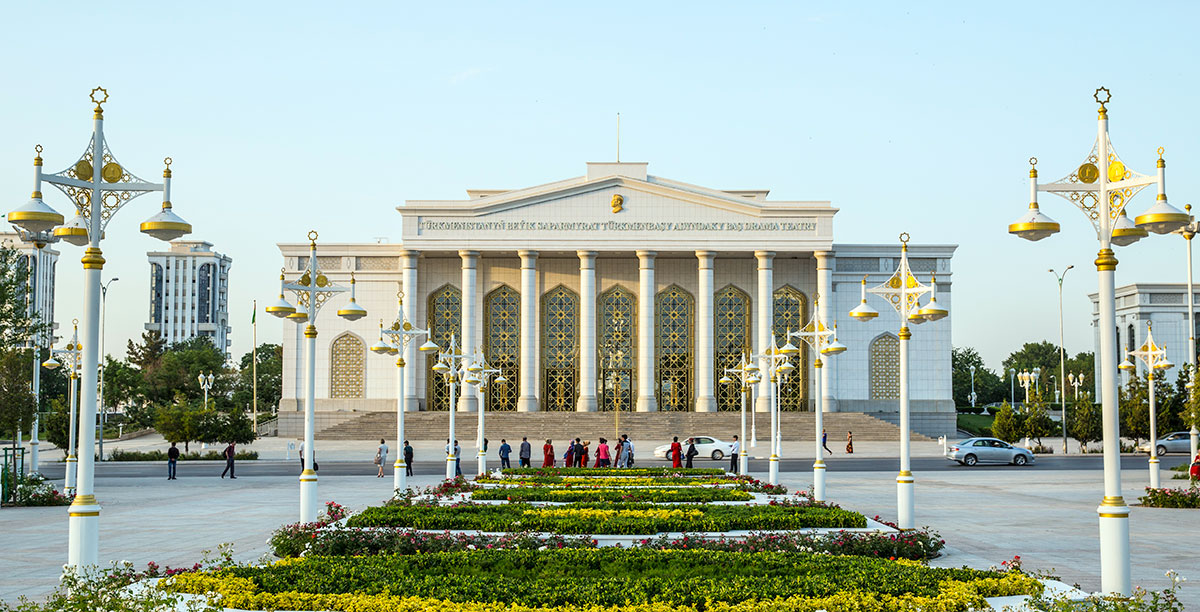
<point x="616" y="206"/>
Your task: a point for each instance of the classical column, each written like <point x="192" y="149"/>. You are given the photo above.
<point x="765" y="320"/>
<point x="646" y="401"/>
<point x="528" y="400"/>
<point x="412" y="297"/>
<point x="587" y="332"/>
<point x="705" y="401"/>
<point x="467" y="401"/>
<point x="825" y="311"/>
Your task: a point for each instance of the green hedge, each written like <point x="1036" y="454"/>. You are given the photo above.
<point x="558" y="494"/>
<point x="1171" y="498"/>
<point x="605" y="577"/>
<point x="650" y="471"/>
<point x="158" y="455"/>
<point x="608" y="518"/>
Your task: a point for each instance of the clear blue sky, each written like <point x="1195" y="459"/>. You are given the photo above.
<point x="915" y="117"/>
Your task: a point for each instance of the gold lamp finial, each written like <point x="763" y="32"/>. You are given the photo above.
<point x="1160" y="152"/>
<point x="1033" y="162"/>
<point x="38" y="149"/>
<point x="1107" y="97"/>
<point x="400" y="296"/>
<point x="312" y="237"/>
<point x="904" y="240"/>
<point x="98" y="100"/>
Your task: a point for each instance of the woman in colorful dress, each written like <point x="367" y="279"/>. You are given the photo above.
<point x="547" y="454"/>
<point x="676" y="453"/>
<point x="602" y="459"/>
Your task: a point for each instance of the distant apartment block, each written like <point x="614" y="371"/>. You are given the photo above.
<point x="189" y="293"/>
<point x="41" y="273"/>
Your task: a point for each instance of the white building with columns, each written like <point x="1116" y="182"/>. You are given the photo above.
<point x="620" y="290"/>
<point x="1163" y="305"/>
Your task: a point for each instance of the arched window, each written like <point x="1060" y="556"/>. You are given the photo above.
<point x="445" y="321"/>
<point x="618" y="312"/>
<point x="791" y="313"/>
<point x="346" y="366"/>
<point x="673" y="333"/>
<point x="885" y="367"/>
<point x="560" y="348"/>
<point x="502" y="345"/>
<point x="731" y="341"/>
<point x="1130" y="339"/>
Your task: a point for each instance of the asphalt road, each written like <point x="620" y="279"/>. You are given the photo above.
<point x="141" y="469"/>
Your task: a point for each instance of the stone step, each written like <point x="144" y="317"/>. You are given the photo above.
<point x="559" y="425"/>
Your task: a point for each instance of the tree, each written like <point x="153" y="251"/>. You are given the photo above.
<point x="179" y="368"/>
<point x="1135" y="408"/>
<point x="1085" y="422"/>
<point x="56" y="422"/>
<point x="146" y="355"/>
<point x="123" y="387"/>
<point x="181" y="421"/>
<point x="16" y="396"/>
<point x="270" y="378"/>
<point x="989" y="387"/>
<point x="1009" y="425"/>
<point x="1037" y="422"/>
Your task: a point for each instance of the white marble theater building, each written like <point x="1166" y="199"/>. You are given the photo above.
<point x="621" y="290"/>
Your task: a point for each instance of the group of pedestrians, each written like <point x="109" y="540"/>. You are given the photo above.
<point x="579" y="453"/>
<point x="523" y="454"/>
<point x="173" y="461"/>
<point x="381" y="458"/>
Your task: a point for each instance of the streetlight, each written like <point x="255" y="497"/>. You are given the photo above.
<point x="402" y="332"/>
<point x="903" y="292"/>
<point x="453" y="365"/>
<point x="778" y="365"/>
<point x="1101" y="188"/>
<point x="99" y="186"/>
<point x="206" y="383"/>
<point x="746" y="375"/>
<point x="1076" y="380"/>
<point x="478" y="374"/>
<point x="103" y="411"/>
<point x="1062" y="355"/>
<point x="1155" y="358"/>
<point x="39" y="240"/>
<point x="823" y="341"/>
<point x="973" y="386"/>
<point x="1188" y="232"/>
<point x="312" y="290"/>
<point x="70" y="353"/>
<point x="1025" y="377"/>
<point x="1037" y="380"/>
<point x="1012" y="387"/>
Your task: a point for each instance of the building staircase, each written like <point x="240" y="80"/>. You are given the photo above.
<point x="653" y="426"/>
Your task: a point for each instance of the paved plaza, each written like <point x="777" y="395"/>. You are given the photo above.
<point x="986" y="515"/>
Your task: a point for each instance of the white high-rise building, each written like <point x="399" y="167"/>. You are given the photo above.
<point x="41" y="266"/>
<point x="189" y="293"/>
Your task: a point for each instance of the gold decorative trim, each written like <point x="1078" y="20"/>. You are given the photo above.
<point x="93" y="259"/>
<point x="1113" y="501"/>
<point x="151" y="226"/>
<point x="310" y="331"/>
<point x="84" y="500"/>
<point x="89" y="513"/>
<point x="1016" y="228"/>
<point x="35" y="215"/>
<point x="906" y="473"/>
<point x="1112" y="515"/>
<point x="1106" y="260"/>
<point x="905" y="333"/>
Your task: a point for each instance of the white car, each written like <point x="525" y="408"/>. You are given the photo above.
<point x="706" y="445"/>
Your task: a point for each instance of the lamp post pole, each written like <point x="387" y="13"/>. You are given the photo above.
<point x="480" y="374"/>
<point x="1062" y="355"/>
<point x="41" y="336"/>
<point x="1155" y="358"/>
<point x="1101" y="188"/>
<point x="401" y="333"/>
<point x="1188" y="232"/>
<point x="823" y="340"/>
<point x="453" y="365"/>
<point x="972" y="386"/>
<point x="71" y="355"/>
<point x="1012" y="386"/>
<point x="312" y="290"/>
<point x="903" y="292"/>
<point x="776" y="360"/>
<point x="746" y="376"/>
<point x="103" y="411"/>
<point x="100" y="187"/>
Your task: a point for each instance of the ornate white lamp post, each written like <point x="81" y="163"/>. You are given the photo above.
<point x="1062" y="355"/>
<point x="746" y="375"/>
<point x="1155" y="358"/>
<point x="1025" y="378"/>
<point x="823" y="341"/>
<point x="972" y="386"/>
<point x="453" y="365"/>
<point x="903" y="292"/>
<point x="401" y="333"/>
<point x="39" y="240"/>
<point x="479" y="374"/>
<point x="206" y="383"/>
<point x="1101" y="188"/>
<point x="1076" y="380"/>
<point x="312" y="290"/>
<point x="70" y="353"/>
<point x="777" y="360"/>
<point x="1188" y="232"/>
<point x="99" y="186"/>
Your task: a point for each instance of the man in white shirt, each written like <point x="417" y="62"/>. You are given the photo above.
<point x="733" y="458"/>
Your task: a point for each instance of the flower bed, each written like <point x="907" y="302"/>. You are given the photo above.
<point x="1171" y="498"/>
<point x="33" y="490"/>
<point x="562" y="579"/>
<point x="609" y="518"/>
<point x="648" y="494"/>
<point x="651" y="471"/>
<point x="745" y="483"/>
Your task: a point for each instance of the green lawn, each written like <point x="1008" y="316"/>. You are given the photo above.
<point x="975" y="423"/>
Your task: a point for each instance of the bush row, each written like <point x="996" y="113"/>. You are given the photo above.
<point x="559" y="494"/>
<point x="746" y="483"/>
<point x="158" y="455"/>
<point x="608" y="518"/>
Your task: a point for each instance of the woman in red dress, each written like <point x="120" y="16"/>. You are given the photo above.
<point x="547" y="454"/>
<point x="676" y="453"/>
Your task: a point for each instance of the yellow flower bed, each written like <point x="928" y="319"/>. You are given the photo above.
<point x="601" y="514"/>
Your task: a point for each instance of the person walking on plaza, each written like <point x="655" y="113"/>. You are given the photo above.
<point x="381" y="457"/>
<point x="602" y="454"/>
<point x="547" y="454"/>
<point x="408" y="458"/>
<point x="628" y="453"/>
<point x="229" y="454"/>
<point x="316" y="466"/>
<point x="584" y="454"/>
<point x="569" y="456"/>
<point x="849" y="443"/>
<point x="457" y="459"/>
<point x="172" y="459"/>
<point x="825" y="441"/>
<point x="676" y="453"/>
<point x="525" y="453"/>
<point x="617" y="449"/>
<point x="734" y="453"/>
<point x="505" y="451"/>
<point x="691" y="451"/>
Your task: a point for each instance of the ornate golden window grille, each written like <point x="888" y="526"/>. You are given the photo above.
<point x="560" y="348"/>
<point x="731" y="340"/>
<point x="502" y="345"/>
<point x="618" y="316"/>
<point x="791" y="313"/>
<point x="445" y="320"/>
<point x="674" y="328"/>
<point x="885" y="367"/>
<point x="346" y="366"/>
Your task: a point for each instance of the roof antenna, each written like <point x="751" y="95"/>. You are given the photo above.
<point x="618" y="138"/>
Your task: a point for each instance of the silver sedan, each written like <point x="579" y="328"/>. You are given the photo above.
<point x="1177" y="442"/>
<point x="973" y="451"/>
